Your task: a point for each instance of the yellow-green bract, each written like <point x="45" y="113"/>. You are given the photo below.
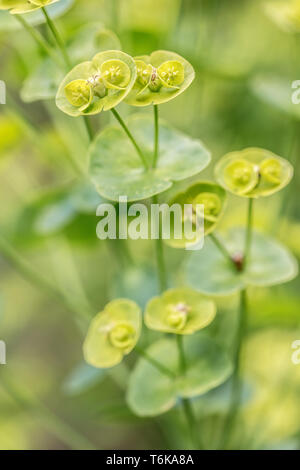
<point x="182" y="311"/>
<point x="98" y="85"/>
<point x="212" y="196"/>
<point x="113" y="333"/>
<point x="24" y="6"/>
<point x="253" y="172"/>
<point x="160" y="77"/>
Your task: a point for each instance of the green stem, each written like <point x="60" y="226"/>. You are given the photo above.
<point x="236" y="392"/>
<point x="57" y="38"/>
<point x="164" y="370"/>
<point x="132" y="139"/>
<point x="248" y="240"/>
<point x="160" y="260"/>
<point x="156" y="136"/>
<point x="89" y="128"/>
<point x="38" y="38"/>
<point x="186" y="403"/>
<point x="221" y="247"/>
<point x="49" y="420"/>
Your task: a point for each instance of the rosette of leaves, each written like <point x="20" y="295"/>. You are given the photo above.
<point x="113" y="333"/>
<point x="212" y="197"/>
<point x="24" y="6"/>
<point x="269" y="264"/>
<point x="96" y="85"/>
<point x="116" y="169"/>
<point x="151" y="392"/>
<point x="160" y="77"/>
<point x="253" y="172"/>
<point x="180" y="311"/>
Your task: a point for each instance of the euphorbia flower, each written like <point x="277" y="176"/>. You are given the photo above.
<point x="253" y="172"/>
<point x="160" y="77"/>
<point x="24" y="6"/>
<point x="182" y="311"/>
<point x="113" y="333"/>
<point x="97" y="85"/>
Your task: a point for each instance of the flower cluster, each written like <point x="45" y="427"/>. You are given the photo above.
<point x="114" y="332"/>
<point x="253" y="172"/>
<point x="112" y="76"/>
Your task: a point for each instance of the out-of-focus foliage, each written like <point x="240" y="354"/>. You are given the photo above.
<point x="246" y="59"/>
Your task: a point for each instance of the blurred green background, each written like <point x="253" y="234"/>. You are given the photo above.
<point x="55" y="273"/>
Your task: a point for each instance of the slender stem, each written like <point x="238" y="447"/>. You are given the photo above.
<point x="186" y="403"/>
<point x="236" y="389"/>
<point x="222" y="248"/>
<point x="156" y="136"/>
<point x="128" y="133"/>
<point x="164" y="370"/>
<point x="248" y="240"/>
<point x="57" y="38"/>
<point x="241" y="329"/>
<point x="160" y="259"/>
<point x="89" y="128"/>
<point x="38" y="38"/>
<point x="47" y="418"/>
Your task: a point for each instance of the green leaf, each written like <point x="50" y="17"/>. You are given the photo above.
<point x="42" y="83"/>
<point x="181" y="311"/>
<point x="70" y="210"/>
<point x="94" y="72"/>
<point x="253" y="172"/>
<point x="212" y="197"/>
<point x="151" y="392"/>
<point x="81" y="378"/>
<point x="211" y="273"/>
<point x="117" y="170"/>
<point x="169" y="76"/>
<point x="9" y="23"/>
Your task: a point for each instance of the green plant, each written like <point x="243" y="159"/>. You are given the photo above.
<point x="142" y="159"/>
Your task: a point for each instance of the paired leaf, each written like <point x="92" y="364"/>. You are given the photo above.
<point x="151" y="392"/>
<point x="212" y="197"/>
<point x="253" y="172"/>
<point x="181" y="311"/>
<point x="113" y="333"/>
<point x="117" y="170"/>
<point x="269" y="264"/>
<point x="160" y="77"/>
<point x="100" y="84"/>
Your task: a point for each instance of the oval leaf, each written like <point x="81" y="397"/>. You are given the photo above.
<point x="117" y="170"/>
<point x="269" y="264"/>
<point x="151" y="392"/>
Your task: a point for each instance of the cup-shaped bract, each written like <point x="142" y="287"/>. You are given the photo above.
<point x="113" y="333"/>
<point x="24" y="6"/>
<point x="213" y="199"/>
<point x="180" y="311"/>
<point x="160" y="77"/>
<point x="253" y="172"/>
<point x="97" y="85"/>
